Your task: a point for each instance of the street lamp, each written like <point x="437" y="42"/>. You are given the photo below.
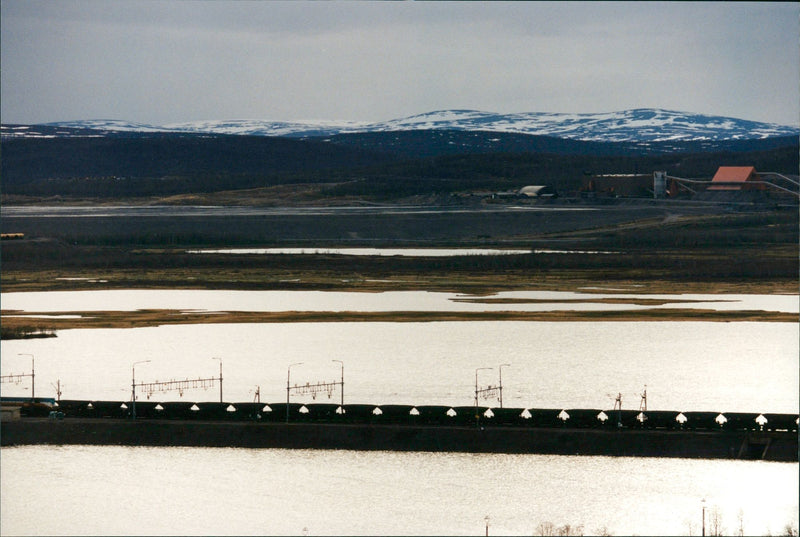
<point x="220" y="378"/>
<point x="703" y="502"/>
<point x="33" y="373"/>
<point x="288" y="373"/>
<point x="133" y="386"/>
<point x="342" y="382"/>
<point x="501" y="382"/>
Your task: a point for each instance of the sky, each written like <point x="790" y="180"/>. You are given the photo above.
<point x="161" y="62"/>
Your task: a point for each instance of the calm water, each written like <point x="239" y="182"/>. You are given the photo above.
<point x="750" y="367"/>
<point x="126" y="300"/>
<point x="119" y="490"/>
<point x="146" y="211"/>
<point x="403" y="252"/>
<point x="82" y="490"/>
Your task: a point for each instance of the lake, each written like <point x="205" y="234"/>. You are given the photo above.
<point x="209" y="300"/>
<point x="402" y="252"/>
<point x="734" y="366"/>
<point x="741" y="366"/>
<point x="207" y="211"/>
<point x="112" y="490"/>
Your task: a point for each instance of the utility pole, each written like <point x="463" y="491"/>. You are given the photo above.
<point x="341" y="383"/>
<point x="33" y="375"/>
<point x="477" y="417"/>
<point x="58" y="389"/>
<point x="133" y="386"/>
<point x="501" y="382"/>
<point x="288" y="387"/>
<point x="618" y="408"/>
<point x="220" y="378"/>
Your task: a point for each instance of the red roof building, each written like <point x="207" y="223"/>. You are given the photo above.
<point x="736" y="178"/>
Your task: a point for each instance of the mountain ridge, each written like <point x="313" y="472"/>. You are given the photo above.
<point x="636" y="125"/>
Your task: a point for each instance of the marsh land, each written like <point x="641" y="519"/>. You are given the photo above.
<point x="650" y="247"/>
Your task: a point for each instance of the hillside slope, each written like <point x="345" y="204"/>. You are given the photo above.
<point x="639" y="125"/>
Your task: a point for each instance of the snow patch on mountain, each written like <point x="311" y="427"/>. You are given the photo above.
<point x="271" y="128"/>
<point x="110" y="125"/>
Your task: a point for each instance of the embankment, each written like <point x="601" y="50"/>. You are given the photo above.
<point x="774" y="446"/>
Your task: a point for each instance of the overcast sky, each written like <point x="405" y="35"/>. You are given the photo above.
<point x="173" y="61"/>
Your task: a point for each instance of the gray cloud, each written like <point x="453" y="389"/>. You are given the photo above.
<point x="160" y="62"/>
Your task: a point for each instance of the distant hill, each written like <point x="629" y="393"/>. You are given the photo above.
<point x="425" y="143"/>
<point x="439" y="153"/>
<point x="639" y="125"/>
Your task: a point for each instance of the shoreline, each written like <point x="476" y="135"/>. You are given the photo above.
<point x="16" y="320"/>
<point x="476" y="284"/>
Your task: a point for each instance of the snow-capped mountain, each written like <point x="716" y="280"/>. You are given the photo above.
<point x="640" y="125"/>
<point x="90" y="128"/>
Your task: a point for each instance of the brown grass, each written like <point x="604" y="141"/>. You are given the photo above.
<point x="158" y="317"/>
<point x="270" y="278"/>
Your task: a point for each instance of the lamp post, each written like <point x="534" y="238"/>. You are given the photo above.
<point x="133" y="386"/>
<point x="501" y="382"/>
<point x="703" y="502"/>
<point x="342" y="383"/>
<point x="220" y="378"/>
<point x="33" y="375"/>
<point x="288" y="373"/>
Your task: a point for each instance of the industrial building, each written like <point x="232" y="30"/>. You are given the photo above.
<point x="736" y="178"/>
<point x="730" y="183"/>
<point x="621" y="185"/>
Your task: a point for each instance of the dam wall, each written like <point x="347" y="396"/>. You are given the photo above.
<point x="773" y="446"/>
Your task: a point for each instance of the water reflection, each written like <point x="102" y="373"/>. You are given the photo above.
<point x="225" y="491"/>
<point x="266" y="301"/>
<point x="403" y="252"/>
<point x="687" y="366"/>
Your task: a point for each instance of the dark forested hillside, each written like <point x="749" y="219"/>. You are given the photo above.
<point x="377" y="166"/>
<point x="158" y="155"/>
<point x="429" y="143"/>
<point x="564" y="173"/>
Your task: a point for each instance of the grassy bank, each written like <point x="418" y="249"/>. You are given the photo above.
<point x="377" y="281"/>
<point x="145" y="318"/>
